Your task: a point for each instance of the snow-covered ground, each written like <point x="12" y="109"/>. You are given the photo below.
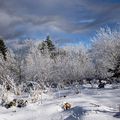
<point x="90" y="104"/>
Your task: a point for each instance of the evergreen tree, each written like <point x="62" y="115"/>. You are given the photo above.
<point x="116" y="69"/>
<point x="49" y="43"/>
<point x="3" y="49"/>
<point x="47" y="46"/>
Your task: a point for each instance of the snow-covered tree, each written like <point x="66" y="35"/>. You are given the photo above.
<point x="106" y="52"/>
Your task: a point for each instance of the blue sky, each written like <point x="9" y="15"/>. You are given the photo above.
<point x="66" y="21"/>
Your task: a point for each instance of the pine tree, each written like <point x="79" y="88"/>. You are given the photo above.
<point x="47" y="45"/>
<point x="50" y="45"/>
<point x="3" y="49"/>
<point x="116" y="70"/>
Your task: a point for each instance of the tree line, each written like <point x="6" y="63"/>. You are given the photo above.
<point x="47" y="64"/>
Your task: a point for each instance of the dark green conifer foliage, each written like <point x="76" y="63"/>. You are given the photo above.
<point x="3" y="49"/>
<point x="47" y="44"/>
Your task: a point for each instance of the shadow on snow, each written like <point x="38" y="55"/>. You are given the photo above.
<point x="76" y="113"/>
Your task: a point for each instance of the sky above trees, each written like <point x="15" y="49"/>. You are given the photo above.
<point x="67" y="21"/>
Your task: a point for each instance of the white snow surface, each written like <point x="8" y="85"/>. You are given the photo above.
<point x="90" y="104"/>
